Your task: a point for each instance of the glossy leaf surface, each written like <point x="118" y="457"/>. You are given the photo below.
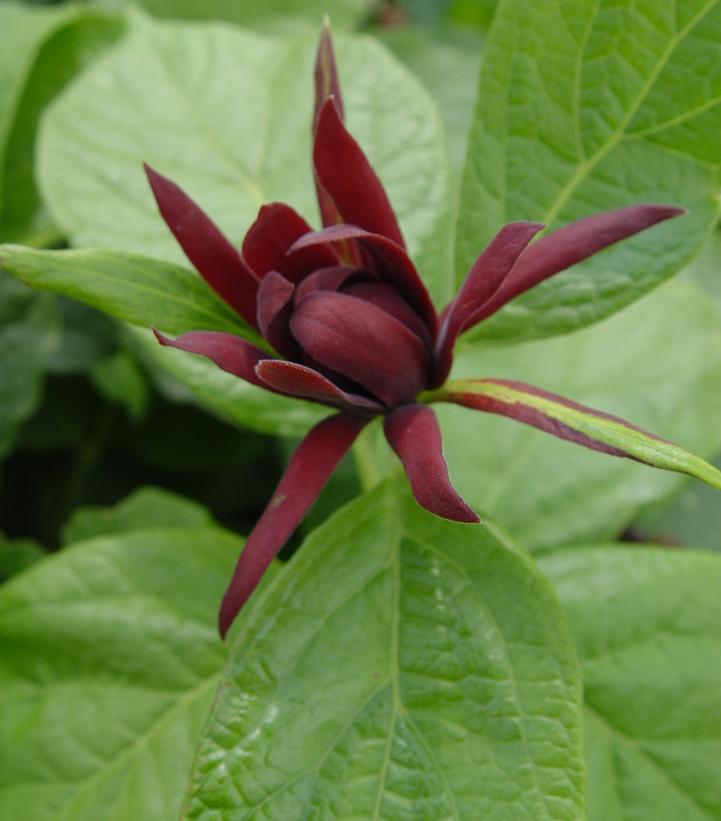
<point x="111" y="647"/>
<point x="402" y="667"/>
<point x="646" y="623"/>
<point x="591" y="106"/>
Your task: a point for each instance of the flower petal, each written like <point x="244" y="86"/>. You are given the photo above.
<point x="571" y="244"/>
<point x="362" y="343"/>
<point x="327" y="86"/>
<point x="276" y="228"/>
<point x="413" y="433"/>
<point x="327" y="279"/>
<point x="575" y="423"/>
<point x="275" y="305"/>
<point x="392" y="264"/>
<point x="230" y="353"/>
<point x="310" y="467"/>
<point x="384" y="296"/>
<point x="483" y="280"/>
<point x="212" y="255"/>
<point x="298" y="380"/>
<point x="327" y="83"/>
<point x="347" y="176"/>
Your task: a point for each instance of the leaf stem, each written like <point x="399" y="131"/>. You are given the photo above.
<point x="369" y="470"/>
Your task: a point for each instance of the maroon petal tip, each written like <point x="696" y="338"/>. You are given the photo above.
<point x="413" y="433"/>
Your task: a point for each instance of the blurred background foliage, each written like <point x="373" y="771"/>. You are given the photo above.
<point x="87" y="416"/>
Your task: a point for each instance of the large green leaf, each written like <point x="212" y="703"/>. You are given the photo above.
<point x="29" y="331"/>
<point x="403" y="667"/>
<point x="64" y="48"/>
<point x="446" y="59"/>
<point x="657" y="364"/>
<point x="647" y="623"/>
<point x="227" y="114"/>
<point x="585" y="107"/>
<point x="147" y="507"/>
<point x="109" y="657"/>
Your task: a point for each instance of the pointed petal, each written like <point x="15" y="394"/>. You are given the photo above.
<point x="212" y="255"/>
<point x="276" y="228"/>
<point x="275" y="305"/>
<point x="413" y="433"/>
<point x="363" y="343"/>
<point x="347" y="176"/>
<point x="327" y="83"/>
<point x="483" y="280"/>
<point x="310" y="467"/>
<point x="393" y="264"/>
<point x="575" y="423"/>
<point x="305" y="383"/>
<point x="230" y="353"/>
<point x="571" y="244"/>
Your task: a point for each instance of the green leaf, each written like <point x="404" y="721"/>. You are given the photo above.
<point x="403" y="667"/>
<point x="120" y="381"/>
<point x="63" y="49"/>
<point x="29" y="331"/>
<point x="22" y="32"/>
<point x="109" y="657"/>
<point x="647" y="628"/>
<point x="235" y="400"/>
<point x="17" y="555"/>
<point x="447" y="60"/>
<point x="88" y="337"/>
<point x="147" y="507"/>
<point x="690" y="517"/>
<point x="227" y="115"/>
<point x="586" y="107"/>
<point x="136" y="289"/>
<point x="270" y="14"/>
<point x="657" y="364"/>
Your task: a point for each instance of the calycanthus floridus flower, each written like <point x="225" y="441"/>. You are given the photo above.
<point x="355" y="329"/>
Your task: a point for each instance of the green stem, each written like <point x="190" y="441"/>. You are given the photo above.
<point x="369" y="472"/>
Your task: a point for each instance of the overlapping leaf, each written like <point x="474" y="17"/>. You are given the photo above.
<point x="585" y="107"/>
<point x="403" y="667"/>
<point x="109" y="658"/>
<point x="646" y="622"/>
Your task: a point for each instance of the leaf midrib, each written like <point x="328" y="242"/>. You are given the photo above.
<point x="586" y="166"/>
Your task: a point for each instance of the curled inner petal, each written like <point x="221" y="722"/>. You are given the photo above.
<point x="390" y="262"/>
<point x="306" y="383"/>
<point x="362" y="343"/>
<point x="276" y="228"/>
<point x="275" y="303"/>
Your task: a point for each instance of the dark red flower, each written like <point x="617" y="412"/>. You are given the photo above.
<point x="354" y="328"/>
